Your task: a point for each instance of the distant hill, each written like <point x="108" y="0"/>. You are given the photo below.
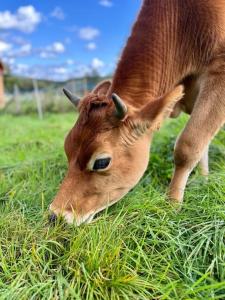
<point x="26" y="85"/>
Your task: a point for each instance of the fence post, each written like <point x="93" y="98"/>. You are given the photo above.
<point x="38" y="99"/>
<point x="85" y="84"/>
<point x="2" y="96"/>
<point x="16" y="97"/>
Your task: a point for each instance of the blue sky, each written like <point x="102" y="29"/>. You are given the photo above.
<point x="64" y="39"/>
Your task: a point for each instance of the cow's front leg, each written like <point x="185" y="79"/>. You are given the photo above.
<point x="206" y="119"/>
<point x="204" y="163"/>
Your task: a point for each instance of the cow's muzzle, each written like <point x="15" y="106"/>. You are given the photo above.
<point x="52" y="218"/>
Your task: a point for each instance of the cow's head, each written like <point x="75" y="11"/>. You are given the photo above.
<point x="107" y="151"/>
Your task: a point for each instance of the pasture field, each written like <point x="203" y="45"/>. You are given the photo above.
<point x="140" y="248"/>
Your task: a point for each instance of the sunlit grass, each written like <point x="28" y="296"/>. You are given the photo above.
<point x="138" y="249"/>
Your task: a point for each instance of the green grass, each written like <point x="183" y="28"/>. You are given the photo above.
<point x="139" y="249"/>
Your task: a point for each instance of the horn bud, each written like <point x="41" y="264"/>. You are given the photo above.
<point x="73" y="98"/>
<point x="121" y="108"/>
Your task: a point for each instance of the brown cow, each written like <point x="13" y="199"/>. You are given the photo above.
<point x="173" y="43"/>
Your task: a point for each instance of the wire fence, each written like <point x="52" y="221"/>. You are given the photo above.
<point x="48" y="99"/>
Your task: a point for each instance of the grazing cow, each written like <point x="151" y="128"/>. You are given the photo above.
<point x="173" y="44"/>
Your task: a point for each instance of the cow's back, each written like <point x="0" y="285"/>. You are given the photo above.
<point x="192" y="29"/>
<point x="170" y="40"/>
<point x="201" y="28"/>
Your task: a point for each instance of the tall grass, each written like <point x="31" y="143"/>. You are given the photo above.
<point x="140" y="248"/>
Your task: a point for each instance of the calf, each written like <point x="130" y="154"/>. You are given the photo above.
<point x="176" y="47"/>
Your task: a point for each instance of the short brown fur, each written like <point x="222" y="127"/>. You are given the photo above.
<point x="173" y="42"/>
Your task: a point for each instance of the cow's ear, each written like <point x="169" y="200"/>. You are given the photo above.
<point x="102" y="87"/>
<point x="156" y="111"/>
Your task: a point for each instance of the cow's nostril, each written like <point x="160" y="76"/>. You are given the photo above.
<point x="52" y="218"/>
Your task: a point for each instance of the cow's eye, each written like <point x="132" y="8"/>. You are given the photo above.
<point x="101" y="163"/>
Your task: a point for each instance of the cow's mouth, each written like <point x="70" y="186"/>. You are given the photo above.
<point x="89" y="217"/>
<point x="72" y="218"/>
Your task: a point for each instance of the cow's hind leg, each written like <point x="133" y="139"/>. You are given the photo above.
<point x="206" y="119"/>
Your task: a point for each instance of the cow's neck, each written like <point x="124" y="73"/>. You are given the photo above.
<point x="147" y="68"/>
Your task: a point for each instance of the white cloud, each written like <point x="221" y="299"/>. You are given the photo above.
<point x="26" y="48"/>
<point x="45" y="54"/>
<point x="4" y="47"/>
<point x="70" y="62"/>
<point x="51" y="72"/>
<point x="88" y="33"/>
<point x="91" y="46"/>
<point x="58" y="13"/>
<point x="81" y="70"/>
<point x="60" y="70"/>
<point x="52" y="50"/>
<point x="97" y="63"/>
<point x="8" y="61"/>
<point x="16" y="39"/>
<point x="21" y="69"/>
<point x="25" y="19"/>
<point x="57" y="47"/>
<point x="106" y="3"/>
<point x="9" y="53"/>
